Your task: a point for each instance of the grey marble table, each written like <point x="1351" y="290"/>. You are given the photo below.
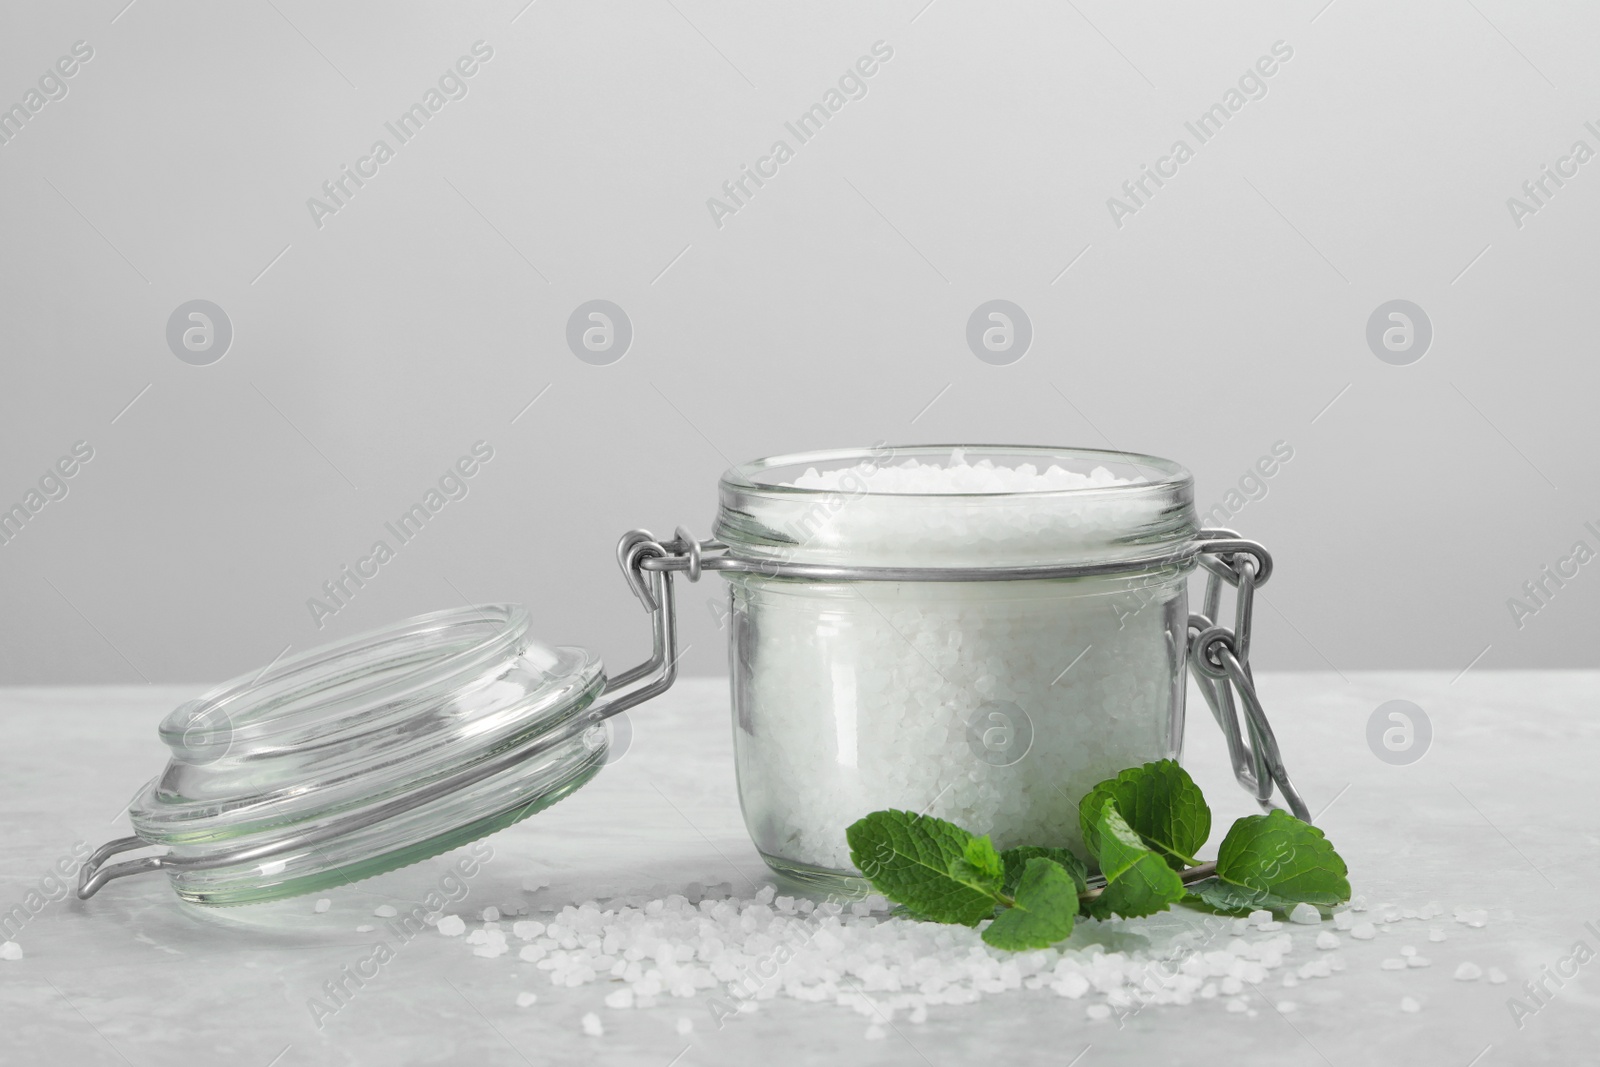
<point x="1500" y="813"/>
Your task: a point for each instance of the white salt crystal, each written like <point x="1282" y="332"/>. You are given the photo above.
<point x="592" y="1025"/>
<point x="452" y="926"/>
<point x="1098" y="1012"/>
<point x="1394" y="964"/>
<point x="1286" y="1006"/>
<point x="1269" y="927"/>
<point x="1363" y="931"/>
<point x="1418" y="961"/>
<point x="1343" y="920"/>
<point x="527" y="929"/>
<point x="621" y="998"/>
<point x="10" y="951"/>
<point x="685" y="1026"/>
<point x="876" y="1033"/>
<point x="1408" y="950"/>
<point x="365" y="928"/>
<point x="1327" y="940"/>
<point x="526" y="999"/>
<point x="1305" y="913"/>
<point x="491" y="914"/>
<point x="534" y="883"/>
<point x="1468" y="972"/>
<point x="1496" y="975"/>
<point x="1238" y="1004"/>
<point x="1436" y="934"/>
<point x="1259" y="917"/>
<point x="385" y="911"/>
<point x="1410" y="1004"/>
<point x="322" y="905"/>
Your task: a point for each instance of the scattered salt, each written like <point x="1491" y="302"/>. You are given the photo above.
<point x="452" y="926"/>
<point x="1306" y="914"/>
<point x="1436" y="934"/>
<point x="526" y="999"/>
<point x="1418" y="961"/>
<point x="1408" y="950"/>
<point x="1410" y="1004"/>
<point x="1098" y="1012"/>
<point x="1468" y="972"/>
<point x="876" y="1033"/>
<point x="592" y="1026"/>
<point x="385" y="911"/>
<point x="1326" y="940"/>
<point x="1286" y="1006"/>
<point x="322" y="905"/>
<point x="1394" y="964"/>
<point x="491" y="914"/>
<point x="365" y="928"/>
<point x="1363" y="931"/>
<point x="10" y="951"/>
<point x="685" y="1026"/>
<point x="1496" y="975"/>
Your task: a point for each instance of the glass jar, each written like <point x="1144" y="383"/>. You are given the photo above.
<point x="994" y="704"/>
<point x="985" y="655"/>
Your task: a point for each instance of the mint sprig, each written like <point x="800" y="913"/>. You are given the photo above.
<point x="1143" y="830"/>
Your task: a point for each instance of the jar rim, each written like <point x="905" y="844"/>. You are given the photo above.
<point x="1155" y="472"/>
<point x="1147" y="514"/>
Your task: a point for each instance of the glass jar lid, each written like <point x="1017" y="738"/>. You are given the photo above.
<point x="369" y="754"/>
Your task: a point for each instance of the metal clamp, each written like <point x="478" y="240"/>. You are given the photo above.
<point x="1219" y="658"/>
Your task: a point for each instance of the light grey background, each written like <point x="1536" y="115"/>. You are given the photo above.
<point x="368" y="354"/>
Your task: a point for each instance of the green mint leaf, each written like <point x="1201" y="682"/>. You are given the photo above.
<point x="979" y="867"/>
<point x="1278" y="854"/>
<point x="1046" y="905"/>
<point x="1162" y="805"/>
<point x="907" y="857"/>
<point x="1138" y="881"/>
<point x="1213" y="894"/>
<point x="1016" y="860"/>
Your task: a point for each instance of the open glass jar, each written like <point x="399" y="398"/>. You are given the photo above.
<point x="995" y="704"/>
<point x="983" y="647"/>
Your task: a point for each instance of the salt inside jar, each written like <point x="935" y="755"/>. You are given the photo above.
<point x="994" y="704"/>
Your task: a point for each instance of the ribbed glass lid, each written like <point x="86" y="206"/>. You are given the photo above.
<point x="357" y="726"/>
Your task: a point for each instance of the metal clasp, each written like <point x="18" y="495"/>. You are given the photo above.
<point x="1220" y="659"/>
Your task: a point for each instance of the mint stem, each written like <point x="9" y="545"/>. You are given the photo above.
<point x="1189" y="875"/>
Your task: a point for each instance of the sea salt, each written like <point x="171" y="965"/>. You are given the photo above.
<point x="591" y="1025"/>
<point x="968" y="701"/>
<point x="1306" y="914"/>
<point x="385" y="911"/>
<point x="1410" y="1004"/>
<point x="10" y="950"/>
<point x="452" y="926"/>
<point x="322" y="905"/>
<point x="1468" y="972"/>
<point x="527" y="999"/>
<point x="1326" y="940"/>
<point x="1363" y="931"/>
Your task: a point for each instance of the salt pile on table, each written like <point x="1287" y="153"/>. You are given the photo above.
<point x="739" y="953"/>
